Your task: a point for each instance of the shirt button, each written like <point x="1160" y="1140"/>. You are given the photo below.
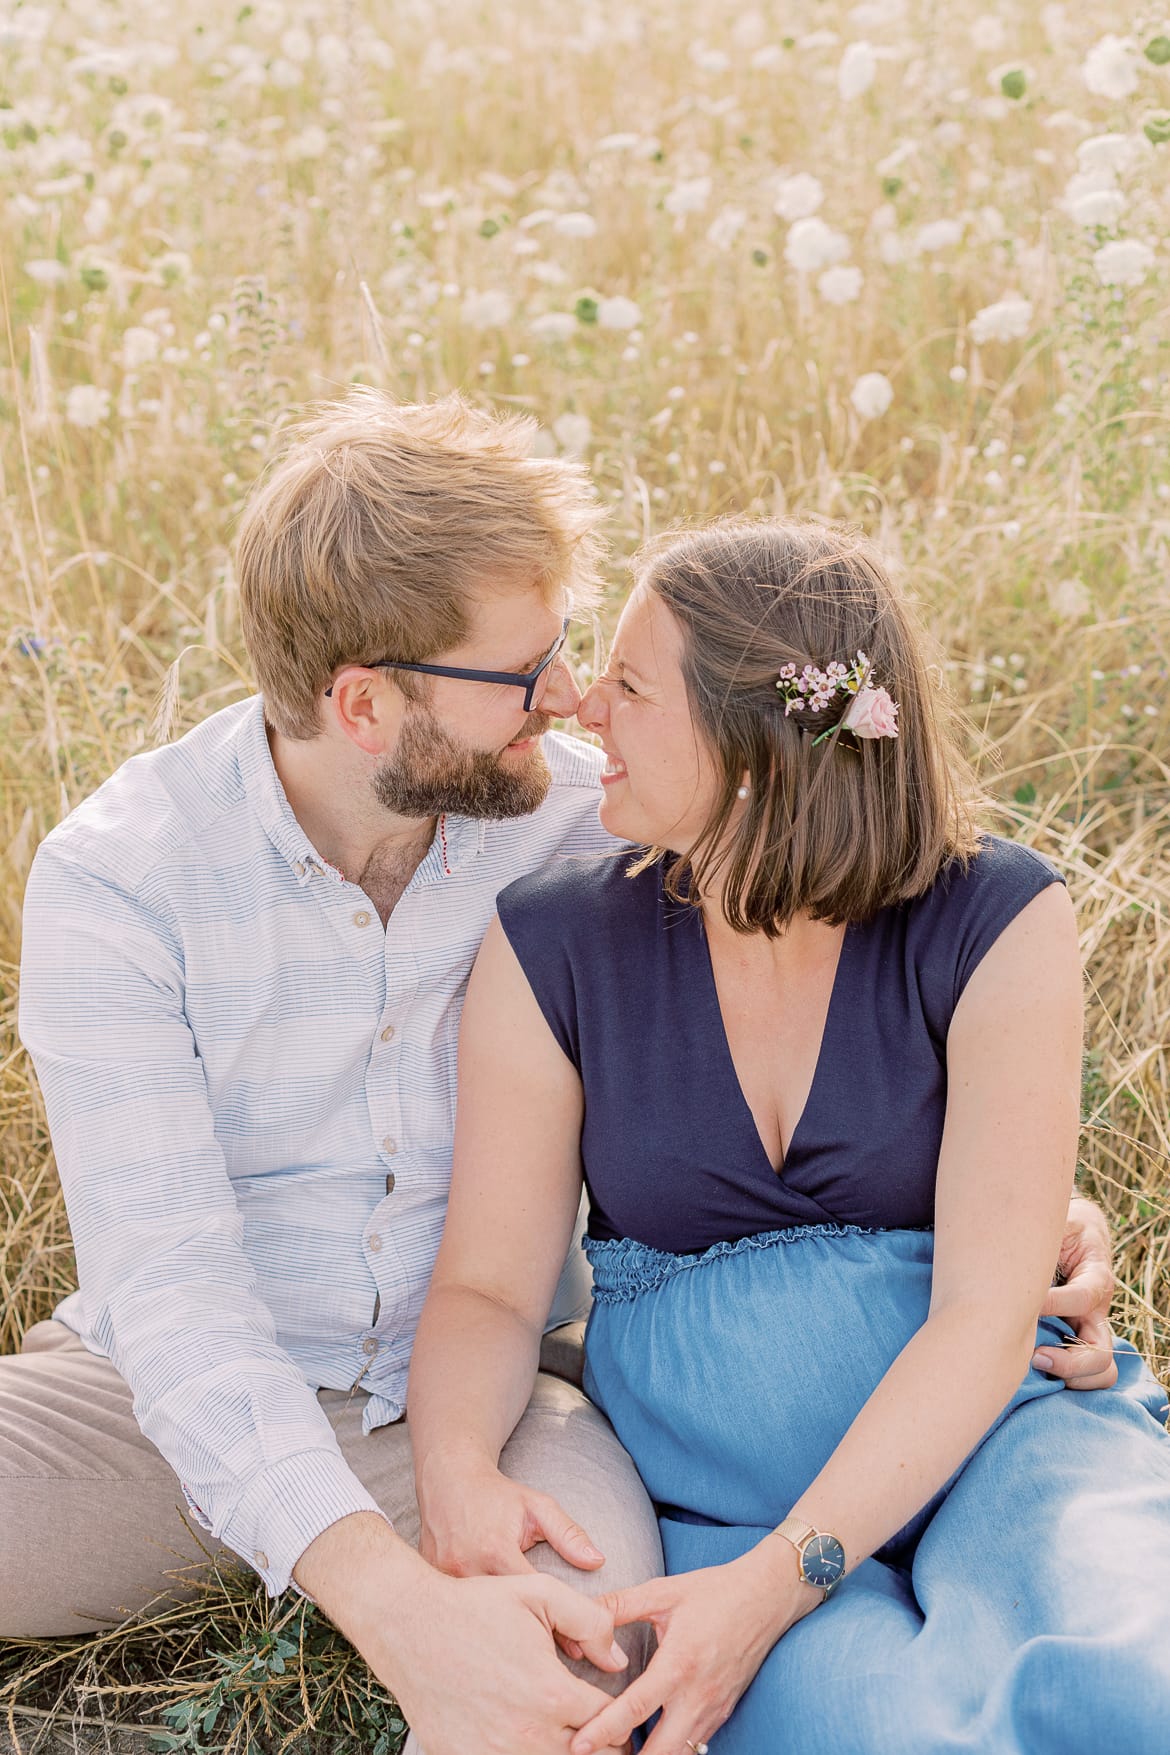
<point x="375" y="1242"/>
<point x="369" y="1346"/>
<point x="389" y="1146"/>
<point x="388" y="1033"/>
<point x="361" y="918"/>
<point x="260" y="1560"/>
<point x="390" y="1183"/>
<point x="299" y="869"/>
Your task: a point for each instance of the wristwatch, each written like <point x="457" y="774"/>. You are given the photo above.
<point x="821" y="1556"/>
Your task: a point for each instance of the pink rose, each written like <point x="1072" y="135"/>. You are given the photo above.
<point x="872" y="714"/>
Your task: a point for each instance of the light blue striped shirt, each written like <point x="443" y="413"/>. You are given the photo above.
<point x="251" y="1093"/>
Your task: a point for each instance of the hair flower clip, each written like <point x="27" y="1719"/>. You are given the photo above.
<point x="870" y="714"/>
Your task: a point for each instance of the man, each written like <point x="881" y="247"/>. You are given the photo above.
<point x="251" y="1087"/>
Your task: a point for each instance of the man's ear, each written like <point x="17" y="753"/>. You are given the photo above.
<point x="367" y="708"/>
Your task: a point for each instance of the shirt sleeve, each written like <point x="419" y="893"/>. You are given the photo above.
<point x="157" y="1230"/>
<point x="536" y="915"/>
<point x="954" y="926"/>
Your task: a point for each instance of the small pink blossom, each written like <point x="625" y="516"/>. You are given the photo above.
<point x="872" y="714"/>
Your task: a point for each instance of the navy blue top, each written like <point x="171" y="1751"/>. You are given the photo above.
<point x="670" y="1149"/>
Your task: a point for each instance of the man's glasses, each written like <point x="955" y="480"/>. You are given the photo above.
<point x="528" y="680"/>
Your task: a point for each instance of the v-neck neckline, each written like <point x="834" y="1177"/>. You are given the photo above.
<point x="775" y="1171"/>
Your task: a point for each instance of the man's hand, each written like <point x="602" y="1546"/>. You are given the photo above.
<point x="476" y="1522"/>
<point x="1086" y="1266"/>
<point x="418" y="1629"/>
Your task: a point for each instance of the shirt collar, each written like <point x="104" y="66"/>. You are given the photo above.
<point x="456" y="842"/>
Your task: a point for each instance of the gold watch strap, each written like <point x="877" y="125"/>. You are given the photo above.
<point x="796" y="1531"/>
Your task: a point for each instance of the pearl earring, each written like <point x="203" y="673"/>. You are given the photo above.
<point x="742" y="791"/>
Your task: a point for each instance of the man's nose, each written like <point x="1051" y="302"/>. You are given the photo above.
<point x="561" y="697"/>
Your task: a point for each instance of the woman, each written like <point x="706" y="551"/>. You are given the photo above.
<point x="819" y="1058"/>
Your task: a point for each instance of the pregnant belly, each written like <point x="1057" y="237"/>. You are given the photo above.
<point x="732" y="1376"/>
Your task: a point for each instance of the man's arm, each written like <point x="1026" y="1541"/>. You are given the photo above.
<point x="157" y="1230"/>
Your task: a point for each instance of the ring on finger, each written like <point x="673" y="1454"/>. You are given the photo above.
<point x="699" y="1748"/>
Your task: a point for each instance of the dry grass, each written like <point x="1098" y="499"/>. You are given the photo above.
<point x="215" y="212"/>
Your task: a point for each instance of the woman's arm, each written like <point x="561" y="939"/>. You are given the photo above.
<point x="515" y="1191"/>
<point x="1005" y="1170"/>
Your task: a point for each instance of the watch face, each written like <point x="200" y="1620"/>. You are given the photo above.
<point x="823" y="1561"/>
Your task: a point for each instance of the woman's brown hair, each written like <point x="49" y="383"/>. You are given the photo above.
<point x="837" y="828"/>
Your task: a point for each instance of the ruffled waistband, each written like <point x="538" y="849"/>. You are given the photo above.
<point x="623" y="1268"/>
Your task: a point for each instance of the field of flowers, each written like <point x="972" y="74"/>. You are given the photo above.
<point x="902" y="262"/>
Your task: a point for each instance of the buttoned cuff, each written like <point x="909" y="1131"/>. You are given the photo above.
<point x="285" y="1508"/>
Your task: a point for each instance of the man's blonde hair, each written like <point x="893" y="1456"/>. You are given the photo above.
<point x="381" y="522"/>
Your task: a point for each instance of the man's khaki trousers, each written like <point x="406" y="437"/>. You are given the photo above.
<point x="92" y="1519"/>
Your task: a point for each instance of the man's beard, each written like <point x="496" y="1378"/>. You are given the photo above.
<point x="431" y="773"/>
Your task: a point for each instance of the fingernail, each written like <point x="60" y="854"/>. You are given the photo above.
<point x="617" y="1654"/>
<point x="592" y="1553"/>
<point x="1043" y="1361"/>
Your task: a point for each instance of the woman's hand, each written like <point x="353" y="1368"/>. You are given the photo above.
<point x="715" y="1628"/>
<point x="1083" y="1299"/>
<point x="476" y="1522"/>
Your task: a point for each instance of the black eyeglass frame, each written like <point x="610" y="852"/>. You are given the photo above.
<point x="526" y="680"/>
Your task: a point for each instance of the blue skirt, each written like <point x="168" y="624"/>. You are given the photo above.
<point x="1024" y="1611"/>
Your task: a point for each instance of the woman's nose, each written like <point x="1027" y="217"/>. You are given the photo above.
<point x="591" y="708"/>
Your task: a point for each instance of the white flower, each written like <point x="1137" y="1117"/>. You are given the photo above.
<point x="554" y="326"/>
<point x="1125" y="262"/>
<point x="96" y="217"/>
<point x="1110" y="68"/>
<point x="726" y="227"/>
<point x="709" y="60"/>
<point x="872" y="395"/>
<point x="988" y="33"/>
<point x="749" y="30"/>
<point x="297" y="44"/>
<point x="768" y="59"/>
<point x="46" y="271"/>
<point x="312" y="142"/>
<point x="798" y="196"/>
<point x="332" y="55"/>
<point x="487" y="310"/>
<point x="87" y="406"/>
<point x="1070" y="598"/>
<point x="813" y="245"/>
<point x="1095" y="206"/>
<point x="139" y="346"/>
<point x="572" y="432"/>
<point x="840" y="286"/>
<point x="618" y="313"/>
<point x="643" y="145"/>
<point x="1008" y="319"/>
<point x="575" y="225"/>
<point x="856" y="71"/>
<point x="689" y="196"/>
<point x="1108" y="153"/>
<point x="939" y="234"/>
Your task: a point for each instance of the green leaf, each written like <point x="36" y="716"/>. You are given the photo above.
<point x="488" y="228"/>
<point x="1157" y="130"/>
<point x="1158" y="51"/>
<point x="890" y="187"/>
<point x="94" y="279"/>
<point x="1014" y="83"/>
<point x="586" y="309"/>
<point x="1025" y="794"/>
<point x="760" y="258"/>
